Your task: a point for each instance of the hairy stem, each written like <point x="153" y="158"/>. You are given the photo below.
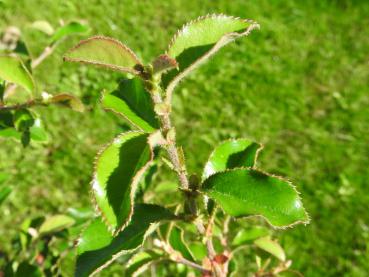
<point x="180" y="168"/>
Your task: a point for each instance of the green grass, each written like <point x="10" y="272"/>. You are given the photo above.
<point x="299" y="85"/>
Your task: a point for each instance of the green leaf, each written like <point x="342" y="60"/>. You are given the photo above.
<point x="198" y="40"/>
<point x="231" y="154"/>
<point x="38" y="132"/>
<point x="10" y="133"/>
<point x="14" y="71"/>
<point x="4" y="177"/>
<point x="97" y="248"/>
<point x="68" y="100"/>
<point x="177" y="242"/>
<point x="104" y="52"/>
<point x="198" y="250"/>
<point x="141" y="262"/>
<point x="56" y="223"/>
<point x="43" y="26"/>
<point x="271" y="247"/>
<point x="134" y="103"/>
<point x="23" y="120"/>
<point x="118" y="169"/>
<point x="69" y="29"/>
<point x="247" y="235"/>
<point x="4" y="193"/>
<point x="246" y="192"/>
<point x="29" y="270"/>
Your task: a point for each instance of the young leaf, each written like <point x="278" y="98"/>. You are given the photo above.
<point x="69" y="29"/>
<point x="198" y="40"/>
<point x="231" y="154"/>
<point x="14" y="71"/>
<point x="97" y="248"/>
<point x="246" y="192"/>
<point x="134" y="103"/>
<point x="141" y="262"/>
<point x="69" y="100"/>
<point x="104" y="52"/>
<point x="177" y="242"/>
<point x="118" y="169"/>
<point x="56" y="223"/>
<point x="43" y="26"/>
<point x="271" y="247"/>
<point x="247" y="235"/>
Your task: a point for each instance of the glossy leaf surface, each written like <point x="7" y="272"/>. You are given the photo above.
<point x="14" y="71"/>
<point x="177" y="242"/>
<point x="118" y="169"/>
<point x="133" y="102"/>
<point x="246" y="192"/>
<point x="231" y="154"/>
<point x="105" y="52"/>
<point x="271" y="247"/>
<point x="97" y="247"/>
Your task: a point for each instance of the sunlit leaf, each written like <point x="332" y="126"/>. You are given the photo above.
<point x="71" y="28"/>
<point x="118" y="169"/>
<point x="198" y="40"/>
<point x="105" y="52"/>
<point x="14" y="71"/>
<point x="43" y="26"/>
<point x="133" y="102"/>
<point x="246" y="192"/>
<point x="271" y="247"/>
<point x="231" y="154"/>
<point x="97" y="248"/>
<point x="56" y="223"/>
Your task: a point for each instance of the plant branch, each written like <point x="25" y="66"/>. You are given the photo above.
<point x="30" y="103"/>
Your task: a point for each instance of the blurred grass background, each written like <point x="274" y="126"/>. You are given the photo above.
<point x="299" y="85"/>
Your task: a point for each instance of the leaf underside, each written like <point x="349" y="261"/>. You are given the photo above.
<point x="97" y="248"/>
<point x="232" y="154"/>
<point x="134" y="103"/>
<point x="14" y="71"/>
<point x="104" y="52"/>
<point x="200" y="39"/>
<point x="245" y="192"/>
<point x="118" y="169"/>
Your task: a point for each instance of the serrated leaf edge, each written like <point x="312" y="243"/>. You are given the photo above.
<point x="117" y="255"/>
<point x="134" y="183"/>
<point x="109" y="66"/>
<point x="260" y="147"/>
<point x="101" y="99"/>
<point x="224" y="40"/>
<point x="305" y="222"/>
